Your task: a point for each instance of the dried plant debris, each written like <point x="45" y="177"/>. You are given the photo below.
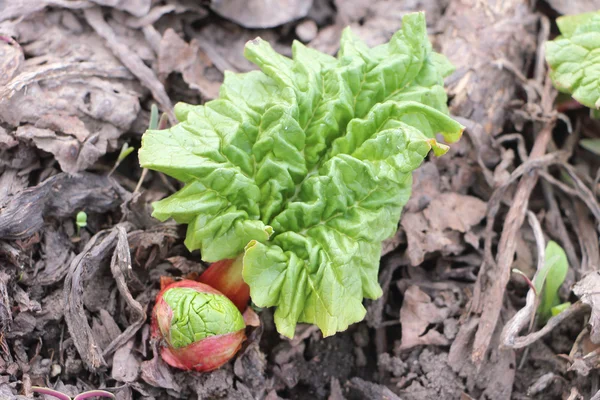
<point x="588" y="290"/>
<point x="261" y="13"/>
<point x="175" y="55"/>
<point x="417" y="315"/>
<point x="60" y="196"/>
<point x="439" y="227"/>
<point x="71" y="101"/>
<point x="509" y="37"/>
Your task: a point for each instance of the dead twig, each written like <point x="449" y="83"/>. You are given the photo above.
<point x="524" y="341"/>
<point x="120" y="264"/>
<point x="527" y="313"/>
<point x="493" y="297"/>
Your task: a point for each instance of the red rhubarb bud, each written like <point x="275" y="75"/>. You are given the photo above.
<point x="199" y="327"/>
<point x="226" y="277"/>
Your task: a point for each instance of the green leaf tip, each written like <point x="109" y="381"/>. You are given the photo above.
<point x="574" y="58"/>
<point x="197" y="316"/>
<point x="549" y="279"/>
<point x="304" y="167"/>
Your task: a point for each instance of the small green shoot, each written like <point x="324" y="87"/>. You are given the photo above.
<point x="548" y="280"/>
<point x="560" y="308"/>
<point x="81" y="221"/>
<point x="592" y="145"/>
<point x="125" y="151"/>
<point x="153" y="117"/>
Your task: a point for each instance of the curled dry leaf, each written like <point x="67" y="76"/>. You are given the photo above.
<point x="157" y="373"/>
<point x="261" y="13"/>
<point x="175" y="55"/>
<point x="57" y="255"/>
<point x="126" y="365"/>
<point x="418" y="312"/>
<point x="98" y="249"/>
<point x="588" y="290"/>
<point x="440" y="225"/>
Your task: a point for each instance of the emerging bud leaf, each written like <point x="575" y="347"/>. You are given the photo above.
<point x="201" y="329"/>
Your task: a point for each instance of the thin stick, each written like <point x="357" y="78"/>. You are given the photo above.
<point x="141" y="180"/>
<point x="507" y="247"/>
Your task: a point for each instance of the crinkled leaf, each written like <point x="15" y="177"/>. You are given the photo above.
<point x="574" y="58"/>
<point x="305" y="166"/>
<point x="199" y="315"/>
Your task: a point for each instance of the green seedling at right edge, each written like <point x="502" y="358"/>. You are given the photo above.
<point x="81" y="221"/>
<point x="574" y="59"/>
<point x="548" y="281"/>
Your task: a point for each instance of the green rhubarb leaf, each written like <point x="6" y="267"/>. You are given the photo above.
<point x="305" y="166"/>
<point x="574" y="58"/>
<point x="199" y="315"/>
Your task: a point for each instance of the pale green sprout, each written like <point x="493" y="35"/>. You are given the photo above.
<point x="80" y="221"/>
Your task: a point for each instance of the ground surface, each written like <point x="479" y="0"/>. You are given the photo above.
<point x="77" y="79"/>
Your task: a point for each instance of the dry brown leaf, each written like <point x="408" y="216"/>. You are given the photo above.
<point x="588" y="290"/>
<point x="138" y="8"/>
<point x="71" y="154"/>
<point x="11" y="58"/>
<point x="176" y="55"/>
<point x="73" y="101"/>
<point x="440" y="225"/>
<point x="126" y="365"/>
<point x="261" y="13"/>
<point x="224" y="43"/>
<point x="130" y="59"/>
<point x="416" y="314"/>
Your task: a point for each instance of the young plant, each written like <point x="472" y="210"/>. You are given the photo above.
<point x="549" y="279"/>
<point x="302" y="168"/>
<point x="80" y="221"/>
<point x="198" y="327"/>
<point x="574" y="58"/>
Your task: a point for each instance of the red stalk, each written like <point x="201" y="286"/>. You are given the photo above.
<point x="226" y="277"/>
